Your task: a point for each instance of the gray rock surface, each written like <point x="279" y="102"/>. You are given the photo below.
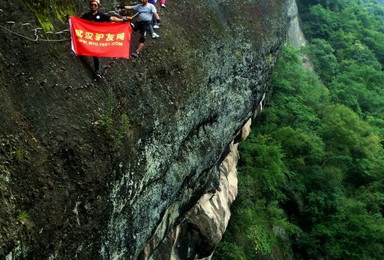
<point x="102" y="169"/>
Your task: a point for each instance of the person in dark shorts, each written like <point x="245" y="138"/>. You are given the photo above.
<point x="146" y="12"/>
<point x="95" y="15"/>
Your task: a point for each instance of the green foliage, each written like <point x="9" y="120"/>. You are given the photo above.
<point x="124" y="125"/>
<point x="258" y="223"/>
<point x="329" y="4"/>
<point x="342" y="130"/>
<point x="9" y="150"/>
<point x="323" y="22"/>
<point x="324" y="60"/>
<point x="107" y="120"/>
<point x="311" y="180"/>
<point x="267" y="172"/>
<point x="23" y="217"/>
<point x="229" y="251"/>
<point x="359" y="87"/>
<point x="44" y="10"/>
<point x="115" y="129"/>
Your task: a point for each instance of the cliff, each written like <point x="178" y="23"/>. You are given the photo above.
<point x="296" y="36"/>
<point x="113" y="169"/>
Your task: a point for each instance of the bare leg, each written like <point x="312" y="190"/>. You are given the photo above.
<point x="141" y="45"/>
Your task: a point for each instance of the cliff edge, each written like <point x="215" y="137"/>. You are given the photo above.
<point x="112" y="169"/>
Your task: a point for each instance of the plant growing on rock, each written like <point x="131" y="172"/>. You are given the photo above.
<point x="44" y="10"/>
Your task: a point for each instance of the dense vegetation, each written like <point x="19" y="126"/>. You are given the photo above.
<point x="47" y="10"/>
<point x="311" y="177"/>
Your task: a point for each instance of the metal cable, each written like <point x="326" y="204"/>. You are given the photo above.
<point x="36" y="39"/>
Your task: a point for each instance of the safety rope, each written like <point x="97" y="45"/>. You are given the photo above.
<point x="37" y="38"/>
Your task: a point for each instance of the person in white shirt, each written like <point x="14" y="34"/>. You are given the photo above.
<point x="146" y="12"/>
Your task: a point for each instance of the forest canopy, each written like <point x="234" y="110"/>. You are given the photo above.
<point x="311" y="174"/>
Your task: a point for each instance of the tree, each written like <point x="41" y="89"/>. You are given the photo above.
<point x="323" y="58"/>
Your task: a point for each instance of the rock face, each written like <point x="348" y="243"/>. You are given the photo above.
<point x="113" y="169"/>
<point x="201" y="229"/>
<point x="295" y="34"/>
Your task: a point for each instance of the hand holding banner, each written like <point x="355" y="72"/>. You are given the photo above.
<point x="100" y="39"/>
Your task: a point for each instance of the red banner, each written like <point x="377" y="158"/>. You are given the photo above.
<point x="100" y="39"/>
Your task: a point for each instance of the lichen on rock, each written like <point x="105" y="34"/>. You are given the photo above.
<point x="119" y="190"/>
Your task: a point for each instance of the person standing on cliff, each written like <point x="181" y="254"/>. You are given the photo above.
<point x="154" y="20"/>
<point x="146" y="12"/>
<point x="95" y="15"/>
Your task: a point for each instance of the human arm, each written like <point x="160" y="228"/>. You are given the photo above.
<point x="127" y="7"/>
<point x="157" y="16"/>
<point x="116" y="19"/>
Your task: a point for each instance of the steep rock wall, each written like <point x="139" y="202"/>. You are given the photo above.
<point x="295" y="34"/>
<point x="201" y="229"/>
<point x="104" y="169"/>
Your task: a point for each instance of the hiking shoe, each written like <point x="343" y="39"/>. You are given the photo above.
<point x="163" y="5"/>
<point x="97" y="74"/>
<point x="156" y="26"/>
<point x="135" y="54"/>
<point x="155" y="35"/>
